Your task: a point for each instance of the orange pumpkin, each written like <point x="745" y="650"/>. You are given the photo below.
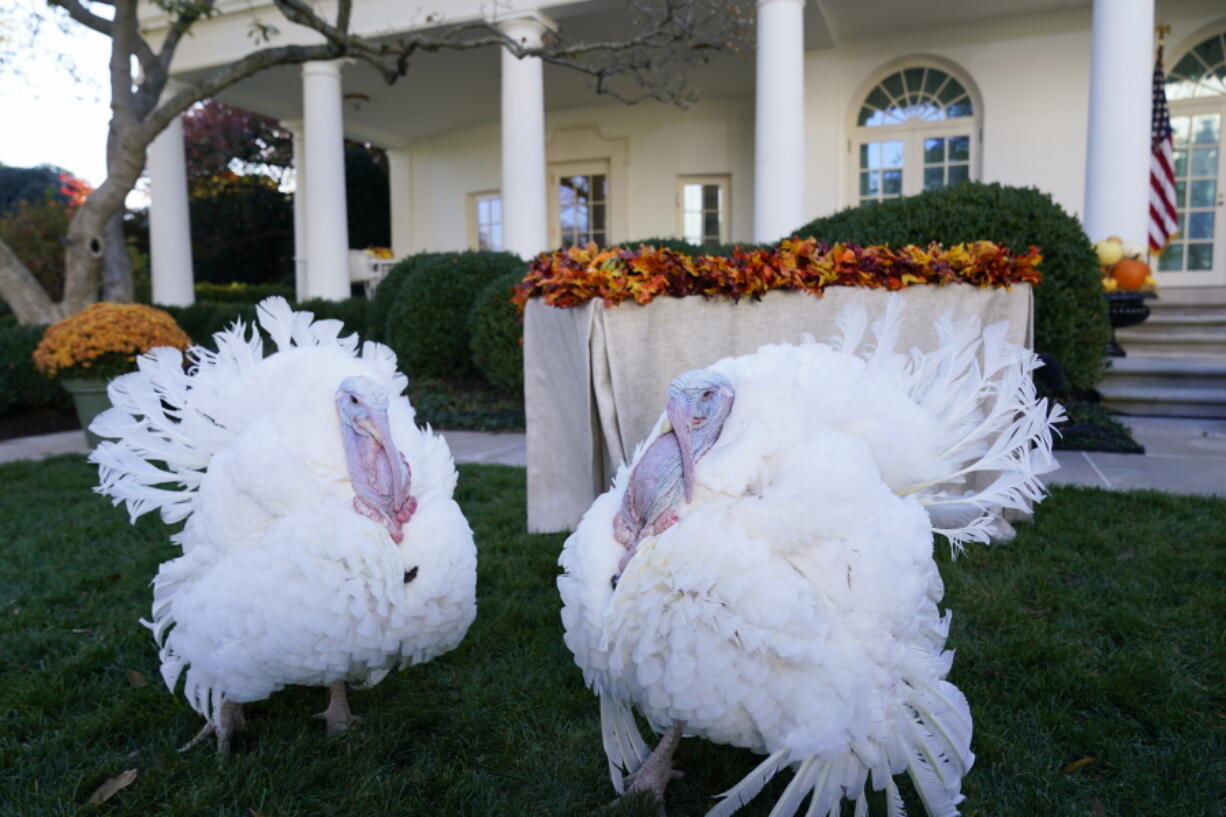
<point x="1130" y="274"/>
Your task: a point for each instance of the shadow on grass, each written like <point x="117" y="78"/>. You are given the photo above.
<point x="1096" y="634"/>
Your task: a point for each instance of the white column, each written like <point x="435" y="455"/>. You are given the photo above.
<point x="327" y="230"/>
<point x="296" y="129"/>
<point x="1118" y="143"/>
<point x="524" y="224"/>
<point x="170" y="232"/>
<point x="779" y="124"/>
<point x="400" y="181"/>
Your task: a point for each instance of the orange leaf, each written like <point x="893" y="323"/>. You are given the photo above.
<point x="1077" y="764"/>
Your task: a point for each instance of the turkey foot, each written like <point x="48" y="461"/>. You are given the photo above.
<point x="337" y="716"/>
<point x="230" y="722"/>
<point x="657" y="770"/>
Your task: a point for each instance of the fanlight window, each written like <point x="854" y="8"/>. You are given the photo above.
<point x="1201" y="73"/>
<point x="920" y="94"/>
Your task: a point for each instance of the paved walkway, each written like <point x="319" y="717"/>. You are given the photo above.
<point x="1182" y="456"/>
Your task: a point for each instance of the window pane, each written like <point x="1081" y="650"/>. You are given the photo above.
<point x="1210" y="51"/>
<point x="960" y="108"/>
<point x="1181" y="193"/>
<point x="483" y="211"/>
<point x="1180" y="158"/>
<point x="1203" y="193"/>
<point x="601" y="239"/>
<point x="1207" y="129"/>
<point x="874" y="155"/>
<point x="864" y="156"/>
<point x="891" y="154"/>
<point x="598" y="218"/>
<point x="1180" y="125"/>
<point x="496" y="210"/>
<point x="959" y="173"/>
<point x="866" y="116"/>
<point x="1171" y="258"/>
<point x="693" y="227"/>
<point x="710" y="227"/>
<point x="934" y="151"/>
<point x="892" y="182"/>
<point x="893" y="85"/>
<point x="566" y="193"/>
<point x="582" y="217"/>
<point x="580" y="184"/>
<point x="877" y="99"/>
<point x="959" y="148"/>
<point x="1200" y="256"/>
<point x="600" y="187"/>
<point x="951" y="91"/>
<point x="496" y="237"/>
<point x="914" y="78"/>
<point x="1200" y="225"/>
<point x="870" y="183"/>
<point x="933" y="83"/>
<point x="710" y="197"/>
<point x="569" y="220"/>
<point x="1204" y="162"/>
<point x="934" y="177"/>
<point x="692" y="197"/>
<point x="483" y="240"/>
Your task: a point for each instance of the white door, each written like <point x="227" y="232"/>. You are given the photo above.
<point x="1197" y="254"/>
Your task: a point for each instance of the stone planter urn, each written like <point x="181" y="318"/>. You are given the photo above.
<point x="89" y="398"/>
<point x="1125" y="309"/>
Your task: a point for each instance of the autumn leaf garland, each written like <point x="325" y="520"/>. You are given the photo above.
<point x="575" y="275"/>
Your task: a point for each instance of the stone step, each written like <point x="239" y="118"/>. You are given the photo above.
<point x="1188" y="296"/>
<point x="1164" y="401"/>
<point x="1207" y="372"/>
<point x="1214" y="320"/>
<point x="1168" y="343"/>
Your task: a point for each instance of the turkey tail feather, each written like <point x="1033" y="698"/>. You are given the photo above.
<point x="167" y="420"/>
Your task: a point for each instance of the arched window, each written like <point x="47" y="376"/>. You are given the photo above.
<point x="1196" y="90"/>
<point x="915" y="130"/>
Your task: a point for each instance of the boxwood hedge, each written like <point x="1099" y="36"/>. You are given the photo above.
<point x="1070" y="312"/>
<point x="495" y="329"/>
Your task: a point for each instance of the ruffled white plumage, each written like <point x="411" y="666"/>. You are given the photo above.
<point x="281" y="581"/>
<point x="793" y="608"/>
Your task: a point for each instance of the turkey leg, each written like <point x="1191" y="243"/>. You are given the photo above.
<point x="657" y="770"/>
<point x="337" y="716"/>
<point x="230" y="722"/>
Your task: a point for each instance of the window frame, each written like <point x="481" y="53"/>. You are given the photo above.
<point x="473" y="219"/>
<point x="590" y="167"/>
<point x="724" y="180"/>
<point x="912" y="134"/>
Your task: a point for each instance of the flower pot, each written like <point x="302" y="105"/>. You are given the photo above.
<point x="89" y="398"/>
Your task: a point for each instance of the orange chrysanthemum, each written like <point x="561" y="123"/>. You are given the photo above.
<point x="104" y="339"/>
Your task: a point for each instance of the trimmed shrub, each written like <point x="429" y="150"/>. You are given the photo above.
<point x="427" y="323"/>
<point x="388" y="292"/>
<point x="21" y="386"/>
<point x="352" y="312"/>
<point x="203" y="319"/>
<point x="1071" y="322"/>
<point x="495" y="330"/>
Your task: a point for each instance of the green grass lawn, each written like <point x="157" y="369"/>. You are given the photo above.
<point x="1099" y="633"/>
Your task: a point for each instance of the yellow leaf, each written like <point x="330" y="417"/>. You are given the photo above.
<point x="111" y="787"/>
<point x="1077" y="764"/>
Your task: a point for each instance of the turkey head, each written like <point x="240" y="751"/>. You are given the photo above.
<point x="379" y="472"/>
<point x="698" y="404"/>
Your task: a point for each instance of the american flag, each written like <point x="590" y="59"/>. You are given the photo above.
<point x="1163" y="220"/>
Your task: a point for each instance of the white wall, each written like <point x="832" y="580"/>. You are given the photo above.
<point x="712" y="137"/>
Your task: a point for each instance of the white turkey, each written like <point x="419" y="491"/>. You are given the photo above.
<point x="321" y="544"/>
<point x="762" y="573"/>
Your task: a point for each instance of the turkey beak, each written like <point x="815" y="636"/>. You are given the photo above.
<point x="681" y="416"/>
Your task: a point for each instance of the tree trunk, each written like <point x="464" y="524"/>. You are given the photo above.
<point x="25" y="296"/>
<point x="116" y="265"/>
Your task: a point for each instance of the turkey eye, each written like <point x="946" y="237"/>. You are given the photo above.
<point x="353" y="399"/>
<point x="708" y="394"/>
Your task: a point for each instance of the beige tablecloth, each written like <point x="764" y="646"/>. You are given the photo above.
<point x="596" y="379"/>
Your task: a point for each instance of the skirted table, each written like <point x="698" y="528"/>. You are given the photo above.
<point x="596" y="378"/>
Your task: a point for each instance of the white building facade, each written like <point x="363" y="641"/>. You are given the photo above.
<point x="841" y="103"/>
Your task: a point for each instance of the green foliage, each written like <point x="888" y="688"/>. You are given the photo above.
<point x="388" y="293"/>
<point x="237" y="292"/>
<point x="21" y="386"/>
<point x="496" y="331"/>
<point x="35" y="231"/>
<point x="367" y="197"/>
<point x="1094" y="634"/>
<point x="1070" y="312"/>
<point x="203" y="319"/>
<point x="352" y="312"/>
<point x="242" y="230"/>
<point x="470" y="405"/>
<point x="427" y="323"/>
<point x="33" y="185"/>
